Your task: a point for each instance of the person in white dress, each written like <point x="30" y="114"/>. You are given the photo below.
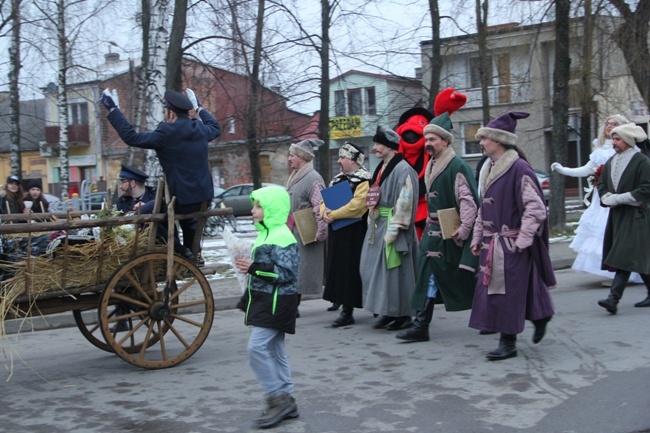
<point x="588" y="240"/>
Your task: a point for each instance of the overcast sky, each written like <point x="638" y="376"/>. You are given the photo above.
<point x="386" y="39"/>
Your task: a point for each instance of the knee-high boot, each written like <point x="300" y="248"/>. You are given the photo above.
<point x="420" y="329"/>
<point x="616" y="293"/>
<point x="646" y="301"/>
<point x="507" y="348"/>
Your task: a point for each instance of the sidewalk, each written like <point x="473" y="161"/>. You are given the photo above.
<point x="226" y="294"/>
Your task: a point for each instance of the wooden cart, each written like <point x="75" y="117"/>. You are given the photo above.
<point x="165" y="298"/>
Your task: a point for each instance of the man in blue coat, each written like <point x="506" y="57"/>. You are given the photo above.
<point x="181" y="144"/>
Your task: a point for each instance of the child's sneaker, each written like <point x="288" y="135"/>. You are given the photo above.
<point x="278" y="408"/>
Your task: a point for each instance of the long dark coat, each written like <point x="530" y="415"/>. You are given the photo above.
<point x="453" y="266"/>
<point x="627" y="236"/>
<point x="182" y="148"/>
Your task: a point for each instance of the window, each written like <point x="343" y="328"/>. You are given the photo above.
<point x="475" y="72"/>
<point x="339" y="103"/>
<point x="471" y="145"/>
<point x="354" y="102"/>
<point x="231" y="125"/>
<point x="371" y="104"/>
<point x="78" y="113"/>
<point x="503" y="73"/>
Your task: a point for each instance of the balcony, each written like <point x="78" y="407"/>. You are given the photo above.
<point x="515" y="93"/>
<point x="78" y="135"/>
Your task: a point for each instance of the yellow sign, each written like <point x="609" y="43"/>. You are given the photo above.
<point x="345" y="127"/>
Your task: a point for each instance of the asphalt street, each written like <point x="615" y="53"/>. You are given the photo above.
<point x="590" y="374"/>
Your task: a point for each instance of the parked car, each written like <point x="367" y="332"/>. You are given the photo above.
<point x="56" y="205"/>
<point x="545" y="181"/>
<point x="96" y="200"/>
<point x="238" y="198"/>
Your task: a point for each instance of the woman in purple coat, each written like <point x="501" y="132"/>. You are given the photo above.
<point x="511" y="237"/>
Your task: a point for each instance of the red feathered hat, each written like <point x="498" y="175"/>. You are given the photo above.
<point x="448" y="101"/>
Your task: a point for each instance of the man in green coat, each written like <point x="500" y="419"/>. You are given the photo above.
<point x="624" y="186"/>
<point x="447" y="267"/>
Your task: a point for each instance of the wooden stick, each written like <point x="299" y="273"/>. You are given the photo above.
<point x="104" y="222"/>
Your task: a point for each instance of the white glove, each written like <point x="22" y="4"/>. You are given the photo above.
<point x="109" y="99"/>
<point x="610" y="199"/>
<point x="584" y="171"/>
<point x="193" y="99"/>
<point x="391" y="233"/>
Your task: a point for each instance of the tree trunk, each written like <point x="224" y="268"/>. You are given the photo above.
<point x="557" y="218"/>
<point x="158" y="33"/>
<point x="254" y="99"/>
<point x="436" y="59"/>
<point x="324" y="119"/>
<point x="62" y="101"/>
<point x="14" y="97"/>
<point x="135" y="155"/>
<point x="175" y="53"/>
<point x="481" y="24"/>
<point x="632" y="39"/>
<point x="586" y="93"/>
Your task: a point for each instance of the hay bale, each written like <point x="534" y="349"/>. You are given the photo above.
<point x="70" y="269"/>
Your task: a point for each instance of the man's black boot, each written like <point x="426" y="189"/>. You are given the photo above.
<point x="540" y="329"/>
<point x="345" y="318"/>
<point x="420" y="329"/>
<point x="646" y="301"/>
<point x="507" y="348"/>
<point x="402" y="322"/>
<point x="616" y="293"/>
<point x="383" y="321"/>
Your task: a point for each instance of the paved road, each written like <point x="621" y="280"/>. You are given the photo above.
<point x="590" y="374"/>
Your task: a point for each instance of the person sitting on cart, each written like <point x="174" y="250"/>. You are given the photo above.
<point x="134" y="191"/>
<point x="181" y="144"/>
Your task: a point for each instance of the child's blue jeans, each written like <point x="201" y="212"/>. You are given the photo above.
<point x="268" y="360"/>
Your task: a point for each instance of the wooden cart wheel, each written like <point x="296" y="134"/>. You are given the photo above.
<point x="91" y="329"/>
<point x="178" y="317"/>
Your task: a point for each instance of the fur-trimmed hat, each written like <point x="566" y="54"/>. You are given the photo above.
<point x="502" y="129"/>
<point x="305" y="148"/>
<point x="387" y="137"/>
<point x="630" y="133"/>
<point x="441" y="126"/>
<point x="352" y="152"/>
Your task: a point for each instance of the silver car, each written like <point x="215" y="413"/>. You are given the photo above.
<point x="238" y="198"/>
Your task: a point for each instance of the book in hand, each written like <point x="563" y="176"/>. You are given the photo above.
<point x="336" y="196"/>
<point x="449" y="221"/>
<point x="305" y="222"/>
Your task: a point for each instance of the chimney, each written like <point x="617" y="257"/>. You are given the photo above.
<point x="112" y="57"/>
<point x="418" y="73"/>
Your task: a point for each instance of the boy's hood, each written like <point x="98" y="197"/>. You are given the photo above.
<point x="276" y="204"/>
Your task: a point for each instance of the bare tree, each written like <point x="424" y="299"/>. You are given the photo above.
<point x="254" y="98"/>
<point x="586" y="91"/>
<point x="561" y="75"/>
<point x="14" y="99"/>
<point x="324" y="119"/>
<point x="484" y="65"/>
<point x="632" y="38"/>
<point x="156" y="76"/>
<point x="436" y="59"/>
<point x="174" y="79"/>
